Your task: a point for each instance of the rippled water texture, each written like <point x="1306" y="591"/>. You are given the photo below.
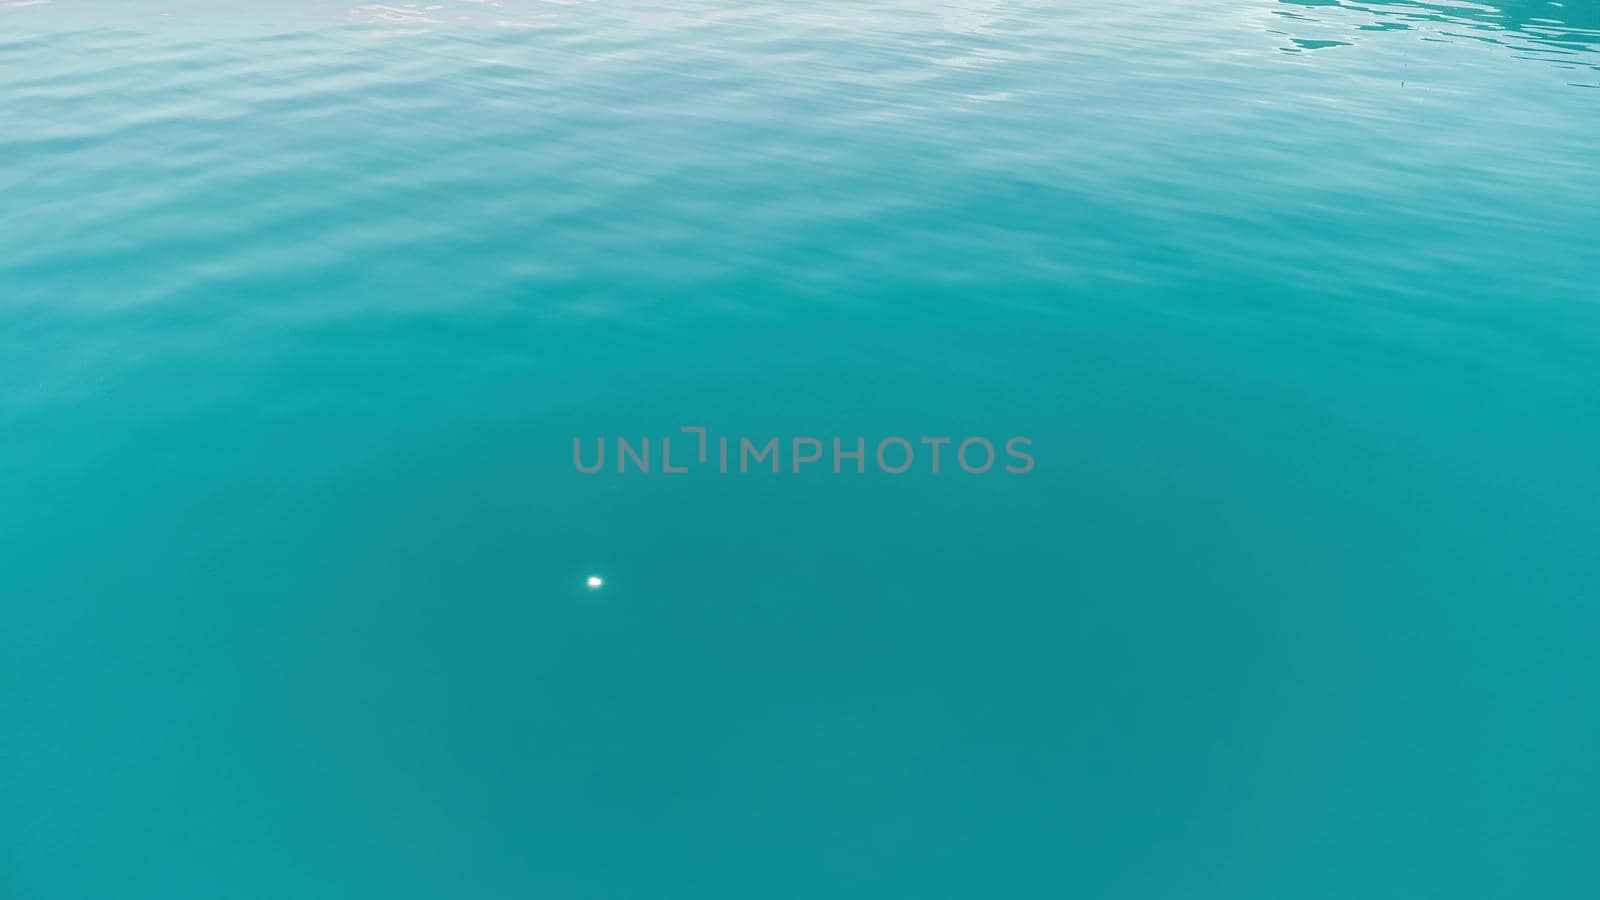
<point x="302" y="304"/>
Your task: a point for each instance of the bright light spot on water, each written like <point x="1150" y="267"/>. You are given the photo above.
<point x="594" y="582"/>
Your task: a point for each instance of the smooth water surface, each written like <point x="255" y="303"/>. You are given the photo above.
<point x="302" y="304"/>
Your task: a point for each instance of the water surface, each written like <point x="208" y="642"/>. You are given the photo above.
<point x="301" y="307"/>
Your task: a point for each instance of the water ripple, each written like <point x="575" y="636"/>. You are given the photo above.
<point x="1548" y="30"/>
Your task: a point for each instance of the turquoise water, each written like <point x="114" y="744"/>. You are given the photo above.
<point x="301" y="309"/>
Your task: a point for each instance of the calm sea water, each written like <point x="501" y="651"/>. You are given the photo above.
<point x="301" y="308"/>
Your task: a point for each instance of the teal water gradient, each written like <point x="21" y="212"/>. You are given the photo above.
<point x="301" y="307"/>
